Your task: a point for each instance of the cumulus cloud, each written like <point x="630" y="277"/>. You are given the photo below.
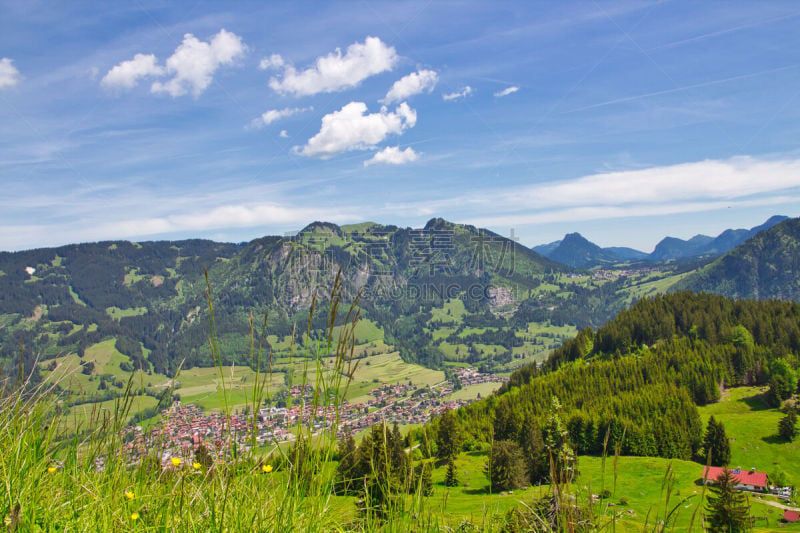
<point x="128" y="73"/>
<point x="273" y="61"/>
<point x="194" y="62"/>
<point x="192" y="65"/>
<point x="352" y="128"/>
<point x="273" y="115"/>
<point x="336" y="72"/>
<point x="9" y="75"/>
<point x="283" y="134"/>
<point x="463" y="93"/>
<point x="393" y="155"/>
<point x="414" y="83"/>
<point x="507" y="91"/>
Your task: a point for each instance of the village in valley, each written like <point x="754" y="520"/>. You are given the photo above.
<point x="184" y="428"/>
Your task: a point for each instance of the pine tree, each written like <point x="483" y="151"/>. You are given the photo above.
<point x="506" y="468"/>
<point x="536" y="457"/>
<point x="347" y="471"/>
<point x="727" y="510"/>
<point x="448" y="438"/>
<point x="451" y="478"/>
<point x="787" y="427"/>
<point x="716" y="443"/>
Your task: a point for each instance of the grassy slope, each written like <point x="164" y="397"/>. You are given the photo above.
<point x="752" y="427"/>
<point x="749" y="423"/>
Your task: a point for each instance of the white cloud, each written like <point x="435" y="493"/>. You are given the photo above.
<point x="199" y="219"/>
<point x="682" y="188"/>
<point x="283" y="134"/>
<point x="507" y="91"/>
<point x="351" y="128"/>
<point x="194" y="62"/>
<point x="272" y="115"/>
<point x="737" y="177"/>
<point x="128" y="73"/>
<point x="273" y="61"/>
<point x="393" y="155"/>
<point x="336" y="72"/>
<point x="9" y="75"/>
<point x="414" y="83"/>
<point x="463" y="93"/>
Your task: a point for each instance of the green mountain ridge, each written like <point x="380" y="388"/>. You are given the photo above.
<point x="61" y="300"/>
<point x="767" y="266"/>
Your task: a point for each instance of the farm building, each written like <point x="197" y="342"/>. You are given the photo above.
<point x="791" y="516"/>
<point x="751" y="480"/>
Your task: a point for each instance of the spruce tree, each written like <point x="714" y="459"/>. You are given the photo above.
<point x="506" y="468"/>
<point x="537" y="459"/>
<point x="727" y="509"/>
<point x="787" y="427"/>
<point x="451" y="478"/>
<point x="448" y="438"/>
<point x="716" y="443"/>
<point x="347" y="471"/>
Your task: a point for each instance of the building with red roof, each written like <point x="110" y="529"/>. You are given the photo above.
<point x="791" y="516"/>
<point x="745" y="479"/>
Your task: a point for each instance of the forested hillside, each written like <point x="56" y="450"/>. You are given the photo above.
<point x="640" y="378"/>
<point x="765" y="266"/>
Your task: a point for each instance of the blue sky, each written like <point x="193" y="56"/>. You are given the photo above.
<point x="623" y="120"/>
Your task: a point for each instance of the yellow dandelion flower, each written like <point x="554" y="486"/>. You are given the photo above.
<point x="134" y="516"/>
<point x="176" y="461"/>
<point x="196" y="465"/>
<point x="129" y="494"/>
<point x="266" y="469"/>
<point x="51" y="469"/>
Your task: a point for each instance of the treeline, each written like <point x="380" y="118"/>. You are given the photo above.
<point x="711" y="318"/>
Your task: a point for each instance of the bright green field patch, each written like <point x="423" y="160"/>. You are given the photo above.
<point x="279" y="345"/>
<point x="451" y="313"/>
<point x="442" y="333"/>
<point x="105" y="357"/>
<point x="67" y="373"/>
<point x="472" y="331"/>
<point x="203" y="386"/>
<point x="366" y="331"/>
<point x="472" y="392"/>
<point x="390" y="368"/>
<point x="81" y="416"/>
<point x="132" y="276"/>
<point x="651" y="288"/>
<point x="75" y="296"/>
<point x="116" y="313"/>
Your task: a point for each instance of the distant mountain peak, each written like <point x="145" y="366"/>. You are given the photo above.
<point x="762" y="267"/>
<point x="703" y="245"/>
<point x="322" y="227"/>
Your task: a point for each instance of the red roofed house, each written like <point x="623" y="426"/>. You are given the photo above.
<point x="791" y="516"/>
<point x="745" y="479"/>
